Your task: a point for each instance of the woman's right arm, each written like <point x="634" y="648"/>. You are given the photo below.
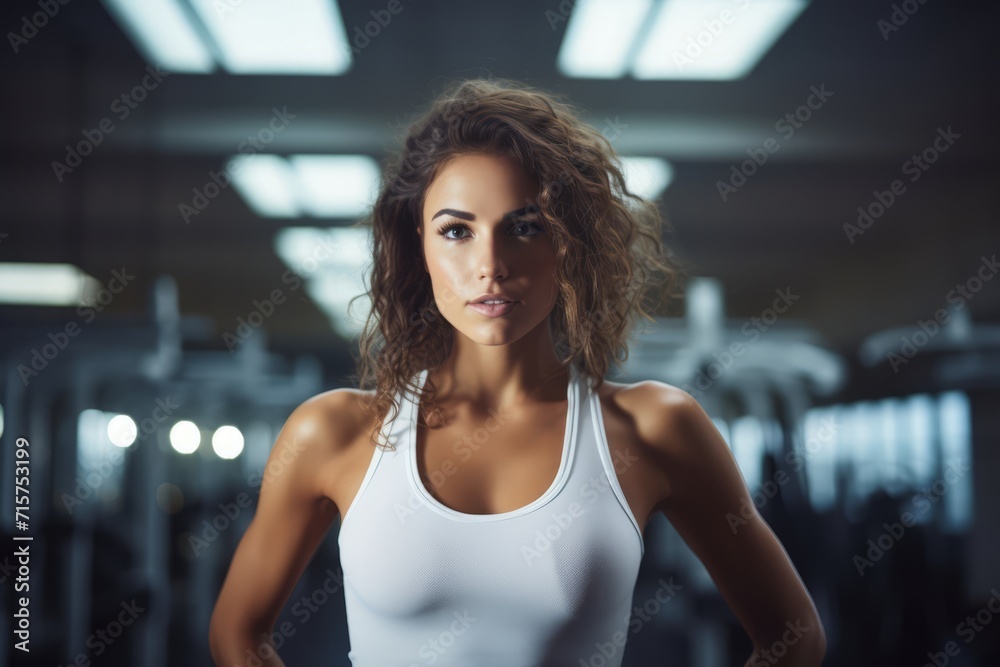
<point x="292" y="517"/>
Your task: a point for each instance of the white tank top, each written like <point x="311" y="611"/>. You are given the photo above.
<point x="549" y="584"/>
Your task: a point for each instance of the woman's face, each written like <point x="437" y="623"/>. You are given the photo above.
<point x="481" y="233"/>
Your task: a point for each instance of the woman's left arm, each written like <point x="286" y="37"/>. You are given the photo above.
<point x="710" y="506"/>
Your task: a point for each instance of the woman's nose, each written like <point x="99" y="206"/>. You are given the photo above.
<point x="492" y="264"/>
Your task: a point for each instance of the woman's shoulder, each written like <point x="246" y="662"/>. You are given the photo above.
<point x="327" y="439"/>
<point x="645" y="397"/>
<point x="332" y="421"/>
<point x="654" y="409"/>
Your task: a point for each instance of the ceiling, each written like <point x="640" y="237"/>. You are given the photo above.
<point x="782" y="229"/>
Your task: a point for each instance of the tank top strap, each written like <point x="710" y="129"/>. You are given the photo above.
<point x="595" y="459"/>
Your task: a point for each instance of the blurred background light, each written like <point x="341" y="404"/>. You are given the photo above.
<point x="600" y="37"/>
<point x="336" y="186"/>
<point x="45" y="284"/>
<point x="227" y="441"/>
<point x="298" y="37"/>
<point x="321" y="186"/>
<point x="672" y="39"/>
<point x="647" y="177"/>
<point x="331" y="261"/>
<point x="267" y="184"/>
<point x="122" y="430"/>
<point x="287" y="37"/>
<point x="163" y="33"/>
<point x="712" y="39"/>
<point x="185" y="437"/>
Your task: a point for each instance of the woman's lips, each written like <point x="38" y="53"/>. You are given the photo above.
<point x="493" y="309"/>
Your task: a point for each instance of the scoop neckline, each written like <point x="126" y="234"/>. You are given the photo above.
<point x="562" y="474"/>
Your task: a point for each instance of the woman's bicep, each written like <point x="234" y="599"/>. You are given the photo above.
<point x="711" y="508"/>
<point x="290" y="521"/>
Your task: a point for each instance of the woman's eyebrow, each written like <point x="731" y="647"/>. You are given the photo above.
<point x="465" y="215"/>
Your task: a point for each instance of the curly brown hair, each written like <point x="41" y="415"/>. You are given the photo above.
<point x="609" y="246"/>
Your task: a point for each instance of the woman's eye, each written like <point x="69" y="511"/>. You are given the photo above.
<point x="527" y="228"/>
<point x="520" y="229"/>
<point x="452" y="228"/>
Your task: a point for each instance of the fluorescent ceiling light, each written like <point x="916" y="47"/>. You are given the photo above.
<point x="647" y="177"/>
<point x="266" y="183"/>
<point x="45" y="284"/>
<point x="336" y="186"/>
<point x="599" y="37"/>
<point x="333" y="291"/>
<point x="312" y="250"/>
<point x="712" y="39"/>
<point x="332" y="263"/>
<point x="290" y="37"/>
<point x="322" y="186"/>
<point x="162" y="32"/>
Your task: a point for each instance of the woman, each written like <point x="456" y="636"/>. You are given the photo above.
<point x="494" y="491"/>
